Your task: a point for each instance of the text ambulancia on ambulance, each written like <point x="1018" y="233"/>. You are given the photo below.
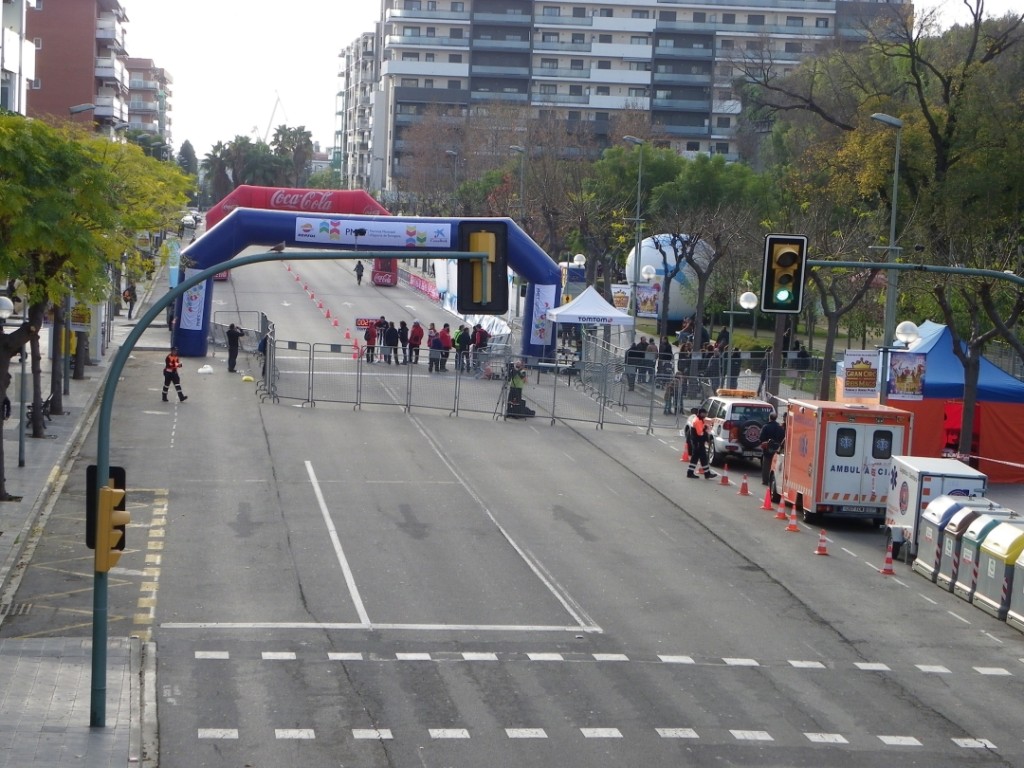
<point x="840" y="458"/>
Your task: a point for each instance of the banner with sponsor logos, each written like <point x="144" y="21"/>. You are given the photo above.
<point x="380" y="233"/>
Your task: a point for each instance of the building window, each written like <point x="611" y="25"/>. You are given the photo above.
<point x="578" y="38"/>
<point x="726" y="45"/>
<point x="38" y="43"/>
<point x="728" y="18"/>
<point x="640" y="14"/>
<point x="725" y="96"/>
<point x="431" y="31"/>
<point x="431" y="5"/>
<point x="551" y="10"/>
<point x="428" y="57"/>
<point x="37" y="84"/>
<point x="575" y="63"/>
<point x="693" y="146"/>
<point x="604" y="38"/>
<point x="754" y="45"/>
<point x="640" y="66"/>
<point x="794" y="21"/>
<point x="454" y="58"/>
<point x="794" y="48"/>
<point x="604" y="64"/>
<point x="548" y="88"/>
<point x="549" y="63"/>
<point x="412" y="5"/>
<point x="722" y="148"/>
<point x="411" y="31"/>
<point x="406" y="56"/>
<point x="458" y="7"/>
<point x="454" y="85"/>
<point x="699" y="17"/>
<point x="410" y="82"/>
<point x="639" y="40"/>
<point x="666" y="15"/>
<point x="575" y="90"/>
<point x="723" y="122"/>
<point x="455" y="33"/>
<point x="821" y="23"/>
<point x="605" y="13"/>
<point x="575" y="115"/>
<point x="638" y="93"/>
<point x="579" y="13"/>
<point x="755" y="19"/>
<point x="549" y="37"/>
<point x="604" y="90"/>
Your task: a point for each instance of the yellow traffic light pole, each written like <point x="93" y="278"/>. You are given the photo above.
<point x="108" y="497"/>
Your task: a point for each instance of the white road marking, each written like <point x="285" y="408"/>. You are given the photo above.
<point x="381" y="734"/>
<point x="729" y="662"/>
<point x="213" y="655"/>
<point x="526" y="733"/>
<point x="278" y="656"/>
<point x="752" y="735"/>
<point x="218" y="733"/>
<point x="471" y="656"/>
<point x="677" y="733"/>
<point x="294" y="733"/>
<point x="339" y="656"/>
<point x="957" y="616"/>
<point x="996" y="671"/>
<point x="936" y="669"/>
<point x="925" y="597"/>
<point x="974" y="743"/>
<point x="682" y="659"/>
<point x="601" y="733"/>
<point x="806" y="664"/>
<point x="871" y="666"/>
<point x="826" y="738"/>
<point x="316" y="625"/>
<point x="545" y="657"/>
<point x="412" y="656"/>
<point x="610" y="657"/>
<point x="448" y="733"/>
<point x="353" y="590"/>
<point x="900" y="741"/>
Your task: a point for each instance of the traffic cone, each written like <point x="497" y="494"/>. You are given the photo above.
<point x="348" y="333"/>
<point x="767" y="504"/>
<point x="297" y="278"/>
<point x="685" y="457"/>
<point x="792" y="527"/>
<point x="725" y="475"/>
<point x="334" y="323"/>
<point x="327" y="314"/>
<point x="744" y="490"/>
<point x="320" y="304"/>
<point x="822" y="547"/>
<point x="288" y="267"/>
<point x="887" y="569"/>
<point x="781" y="513"/>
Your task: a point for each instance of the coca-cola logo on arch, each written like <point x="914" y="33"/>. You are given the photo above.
<point x="383" y="278"/>
<point x="301" y="200"/>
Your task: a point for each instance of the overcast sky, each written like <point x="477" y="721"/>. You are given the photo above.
<point x="232" y="59"/>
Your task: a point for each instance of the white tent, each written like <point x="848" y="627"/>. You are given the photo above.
<point x="589" y="308"/>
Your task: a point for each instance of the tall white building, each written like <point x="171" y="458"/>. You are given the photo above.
<point x="573" y="61"/>
<point x="17" y="56"/>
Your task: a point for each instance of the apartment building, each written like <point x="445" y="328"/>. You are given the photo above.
<point x="676" y="61"/>
<point x="17" y="56"/>
<point x="149" y="98"/>
<point x="358" y="91"/>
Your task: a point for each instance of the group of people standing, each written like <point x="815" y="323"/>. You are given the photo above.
<point x="384" y="340"/>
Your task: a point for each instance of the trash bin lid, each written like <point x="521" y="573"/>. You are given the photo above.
<point x="1005" y="542"/>
<point x="960" y="521"/>
<point x="940" y="510"/>
<point x="979" y="529"/>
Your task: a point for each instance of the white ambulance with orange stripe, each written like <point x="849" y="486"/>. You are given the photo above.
<point x="837" y="457"/>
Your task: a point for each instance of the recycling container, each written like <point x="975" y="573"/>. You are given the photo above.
<point x="952" y="538"/>
<point x="929" y="536"/>
<point x="970" y="549"/>
<point x="999" y="553"/>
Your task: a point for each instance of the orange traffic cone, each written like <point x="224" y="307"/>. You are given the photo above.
<point x="348" y="333"/>
<point x="792" y="527"/>
<point x="887" y="569"/>
<point x="297" y="278"/>
<point x="327" y="314"/>
<point x="685" y="456"/>
<point x="334" y="323"/>
<point x="781" y="513"/>
<point x="320" y="304"/>
<point x="822" y="547"/>
<point x="725" y="475"/>
<point x="767" y="503"/>
<point x="744" y="490"/>
<point x="288" y="267"/>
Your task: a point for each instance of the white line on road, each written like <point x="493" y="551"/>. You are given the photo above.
<point x="322" y="625"/>
<point x="350" y="580"/>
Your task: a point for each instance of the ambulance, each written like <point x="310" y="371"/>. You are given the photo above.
<point x="837" y="457"/>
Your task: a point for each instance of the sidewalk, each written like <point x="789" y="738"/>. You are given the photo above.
<point x="45" y="683"/>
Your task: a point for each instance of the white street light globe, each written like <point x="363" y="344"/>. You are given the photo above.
<point x="648" y="272"/>
<point x="6" y="308"/>
<point x="907" y="332"/>
<point x="748" y="300"/>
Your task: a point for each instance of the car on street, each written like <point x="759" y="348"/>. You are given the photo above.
<point x="734" y="421"/>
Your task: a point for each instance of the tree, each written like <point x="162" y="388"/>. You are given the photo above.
<point x="295" y="147"/>
<point x="216" y="166"/>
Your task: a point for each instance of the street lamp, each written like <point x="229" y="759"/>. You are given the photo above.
<point x="748" y="300"/>
<point x="521" y="151"/>
<point x="889" y="321"/>
<point x="639" y="143"/>
<point x="906" y="333"/>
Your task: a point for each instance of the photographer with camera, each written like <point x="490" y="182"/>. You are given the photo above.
<point x="516" y="383"/>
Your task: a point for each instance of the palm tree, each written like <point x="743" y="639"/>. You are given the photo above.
<point x="215" y="166"/>
<point x="296" y="145"/>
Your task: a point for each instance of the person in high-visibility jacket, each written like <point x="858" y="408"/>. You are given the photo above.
<point x="699" y="455"/>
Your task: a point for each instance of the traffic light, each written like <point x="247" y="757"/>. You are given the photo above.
<point x="782" y="285"/>
<point x="111" y="521"/>
<point x="483" y="290"/>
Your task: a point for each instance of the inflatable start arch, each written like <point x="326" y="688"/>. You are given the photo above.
<point x="232" y="227"/>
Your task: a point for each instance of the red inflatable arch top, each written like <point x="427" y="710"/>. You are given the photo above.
<point x="312" y="200"/>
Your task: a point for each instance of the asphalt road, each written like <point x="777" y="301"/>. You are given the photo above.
<point x="373" y="588"/>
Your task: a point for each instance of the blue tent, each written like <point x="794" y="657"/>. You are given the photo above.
<point x="944" y="373"/>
